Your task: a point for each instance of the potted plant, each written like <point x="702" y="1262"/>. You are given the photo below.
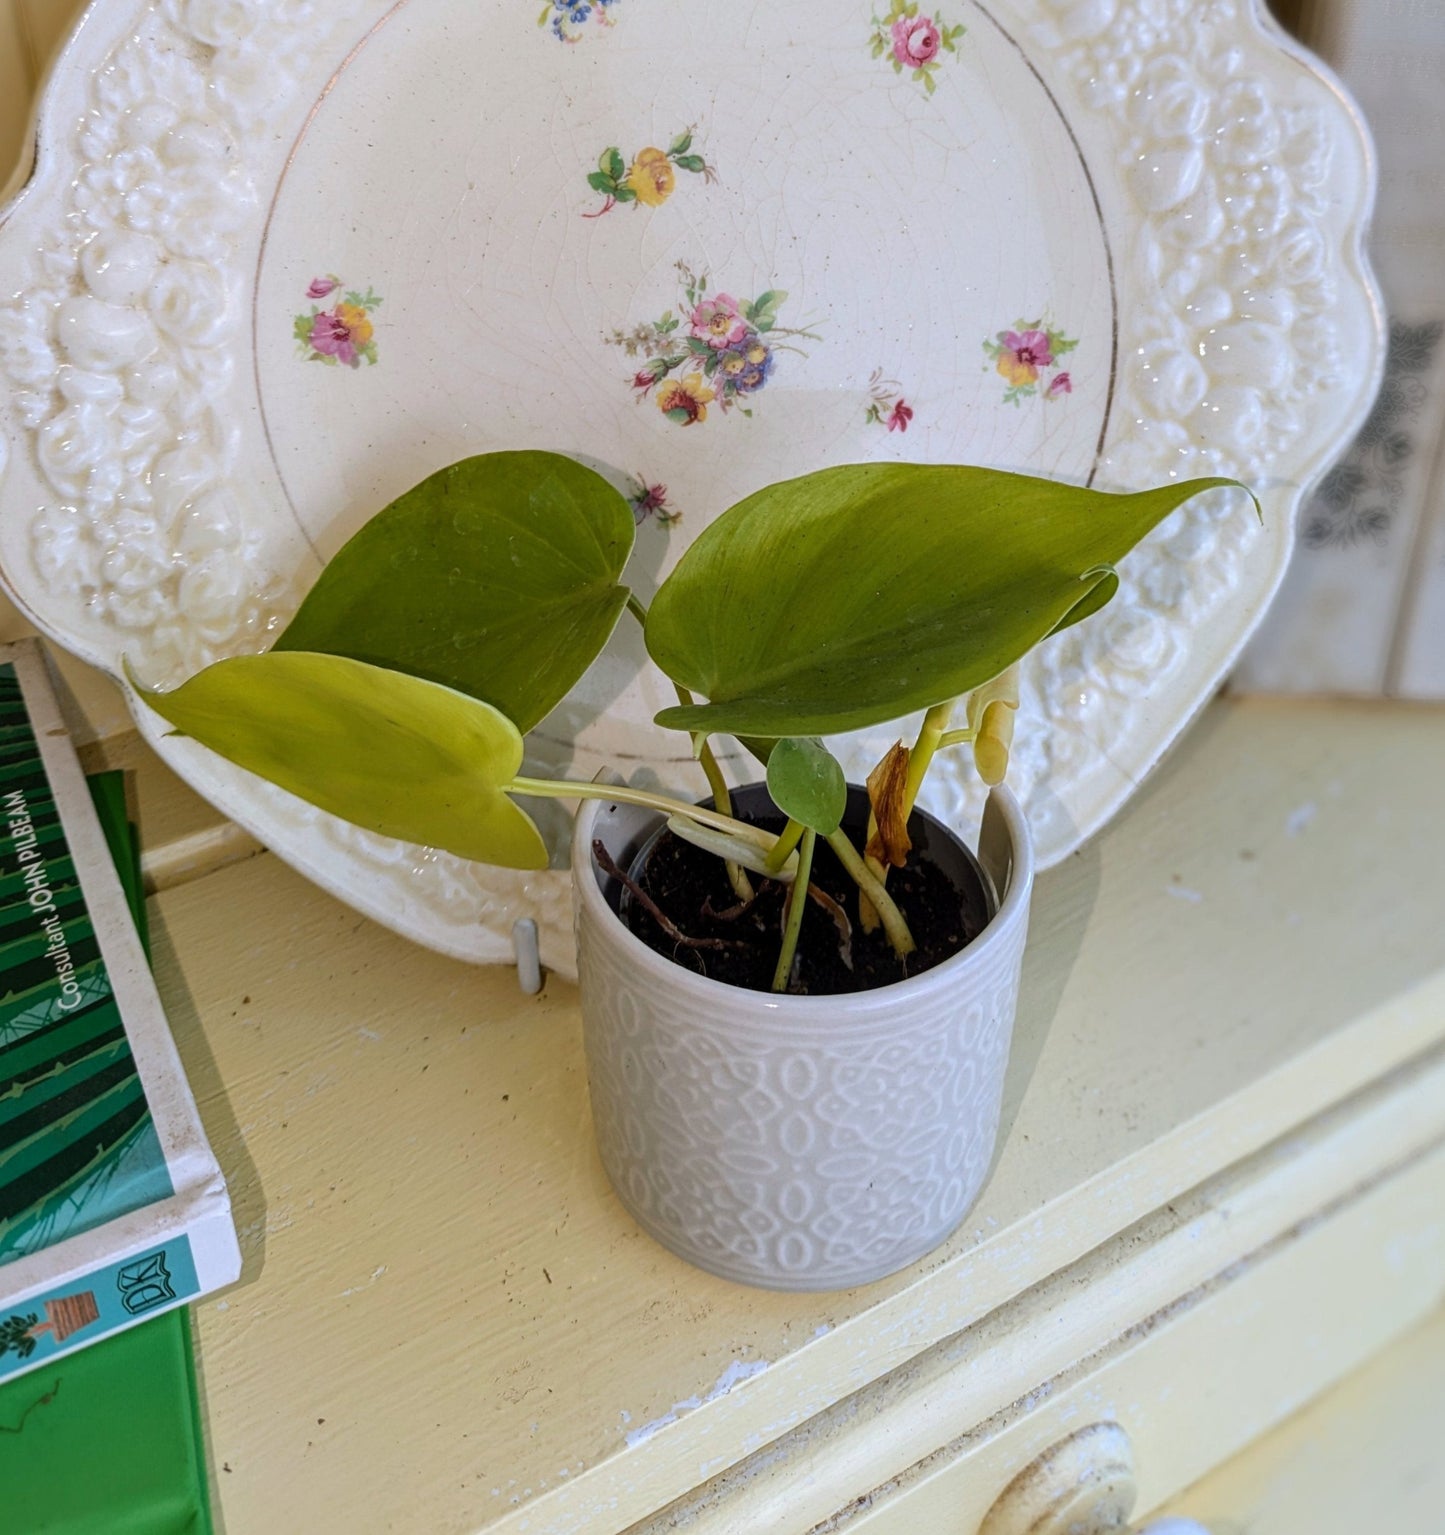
<point x="803" y="1141"/>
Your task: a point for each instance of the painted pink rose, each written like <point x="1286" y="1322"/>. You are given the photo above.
<point x="916" y="41"/>
<point x="321" y="286"/>
<point x="900" y="416"/>
<point x="1062" y="384"/>
<point x="719" y="322"/>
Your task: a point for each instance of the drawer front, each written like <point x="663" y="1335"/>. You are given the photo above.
<point x="1200" y="1380"/>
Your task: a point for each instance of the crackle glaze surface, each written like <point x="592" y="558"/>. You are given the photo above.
<point x="279" y="260"/>
<point x="800" y="1143"/>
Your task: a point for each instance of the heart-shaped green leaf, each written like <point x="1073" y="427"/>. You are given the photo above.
<point x="392" y="753"/>
<point x="857" y="594"/>
<point x="498" y="576"/>
<point x="806" y="783"/>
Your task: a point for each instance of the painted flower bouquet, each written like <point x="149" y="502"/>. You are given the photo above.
<point x="1027" y="359"/>
<point x="400" y="694"/>
<point x="714" y="349"/>
<point x="341" y="335"/>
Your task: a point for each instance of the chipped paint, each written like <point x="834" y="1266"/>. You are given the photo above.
<point x="735" y="1374"/>
<point x="1300" y="817"/>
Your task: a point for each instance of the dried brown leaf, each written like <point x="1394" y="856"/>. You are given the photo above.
<point x="888" y="794"/>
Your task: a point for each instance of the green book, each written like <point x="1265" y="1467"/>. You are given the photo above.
<point x="112" y="1208"/>
<point x="127" y="1410"/>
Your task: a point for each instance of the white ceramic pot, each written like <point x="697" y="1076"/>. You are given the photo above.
<point x="799" y="1143"/>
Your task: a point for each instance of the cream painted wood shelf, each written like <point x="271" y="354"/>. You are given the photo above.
<point x="1365" y="1456"/>
<point x="1223" y="1136"/>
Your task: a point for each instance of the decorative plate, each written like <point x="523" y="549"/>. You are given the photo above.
<point x="280" y="259"/>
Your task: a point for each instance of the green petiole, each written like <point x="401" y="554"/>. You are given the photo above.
<point x="792" y="833"/>
<point x="930" y="736"/>
<point x="955" y="738"/>
<point x="561" y="788"/>
<point x="872" y="887"/>
<point x="797" y="900"/>
<point x="737" y="875"/>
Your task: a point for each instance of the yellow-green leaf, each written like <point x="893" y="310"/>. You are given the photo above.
<point x="858" y="594"/>
<point x="392" y="753"/>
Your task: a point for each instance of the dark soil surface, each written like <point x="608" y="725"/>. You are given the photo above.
<point x="690" y="886"/>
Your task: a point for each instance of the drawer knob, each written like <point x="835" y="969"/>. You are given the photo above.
<point x="1084" y="1485"/>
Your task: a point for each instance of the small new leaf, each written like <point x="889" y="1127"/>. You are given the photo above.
<point x="807" y="784"/>
<point x="991" y="711"/>
<point x="993" y="741"/>
<point x="888" y="795"/>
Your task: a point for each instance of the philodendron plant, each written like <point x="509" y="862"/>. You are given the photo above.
<point x="448" y="627"/>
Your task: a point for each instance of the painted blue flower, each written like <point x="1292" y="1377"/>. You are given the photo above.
<point x="758" y="359"/>
<point x="570" y="16"/>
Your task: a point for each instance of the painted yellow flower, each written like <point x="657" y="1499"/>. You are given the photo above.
<point x="1015" y="369"/>
<point x="685" y="400"/>
<point x="357" y="323"/>
<point x="652" y="177"/>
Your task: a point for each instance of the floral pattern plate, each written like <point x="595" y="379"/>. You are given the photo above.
<point x="279" y="260"/>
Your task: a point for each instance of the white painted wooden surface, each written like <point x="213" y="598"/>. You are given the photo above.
<point x="1364" y="1457"/>
<point x="435" y="1266"/>
<point x="1197" y="1382"/>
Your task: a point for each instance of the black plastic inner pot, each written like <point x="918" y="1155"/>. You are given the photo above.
<point x="945" y="896"/>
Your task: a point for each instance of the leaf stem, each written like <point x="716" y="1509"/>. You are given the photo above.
<point x="930" y="733"/>
<point x="561" y="788"/>
<point x="737" y="876"/>
<point x="893" y="924"/>
<point x="959" y="737"/>
<point x="797" y="904"/>
<point x="785" y="844"/>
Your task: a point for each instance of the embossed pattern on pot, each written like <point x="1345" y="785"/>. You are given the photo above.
<point x="803" y="1143"/>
